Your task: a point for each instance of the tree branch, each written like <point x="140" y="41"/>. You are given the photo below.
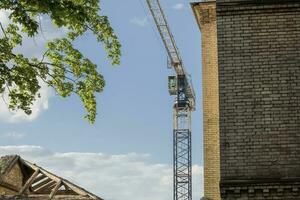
<point x="2" y="28"/>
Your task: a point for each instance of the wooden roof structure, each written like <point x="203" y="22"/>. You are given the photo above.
<point x="38" y="184"/>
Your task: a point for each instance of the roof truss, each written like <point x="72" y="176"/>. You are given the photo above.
<point x="42" y="182"/>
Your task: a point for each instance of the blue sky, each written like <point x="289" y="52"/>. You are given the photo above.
<point x="135" y="110"/>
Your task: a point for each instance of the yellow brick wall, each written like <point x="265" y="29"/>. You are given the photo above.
<point x="206" y="17"/>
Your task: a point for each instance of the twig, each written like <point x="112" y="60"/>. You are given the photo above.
<point x="2" y="28"/>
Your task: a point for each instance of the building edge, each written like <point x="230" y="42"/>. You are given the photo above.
<point x="205" y="13"/>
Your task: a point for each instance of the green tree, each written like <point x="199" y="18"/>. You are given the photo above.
<point x="62" y="67"/>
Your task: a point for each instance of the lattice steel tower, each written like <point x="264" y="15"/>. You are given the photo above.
<point x="181" y="87"/>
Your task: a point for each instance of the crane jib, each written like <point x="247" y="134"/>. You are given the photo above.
<point x="170" y="45"/>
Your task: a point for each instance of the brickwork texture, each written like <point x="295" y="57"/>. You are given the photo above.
<point x="206" y="17"/>
<point x="259" y="83"/>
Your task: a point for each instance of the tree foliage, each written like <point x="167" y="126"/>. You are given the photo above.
<point x="62" y="66"/>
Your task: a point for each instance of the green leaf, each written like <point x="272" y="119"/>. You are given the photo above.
<point x="67" y="69"/>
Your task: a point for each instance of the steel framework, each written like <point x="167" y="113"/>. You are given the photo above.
<point x="184" y="104"/>
<point x="171" y="47"/>
<point x="182" y="145"/>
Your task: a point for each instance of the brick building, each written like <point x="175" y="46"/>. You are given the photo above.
<point x="205" y="13"/>
<point x="258" y="53"/>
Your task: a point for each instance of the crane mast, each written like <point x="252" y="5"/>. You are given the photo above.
<point x="181" y="87"/>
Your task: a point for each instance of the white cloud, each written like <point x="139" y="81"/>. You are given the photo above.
<point x="4" y="17"/>
<point x="178" y="6"/>
<point x="41" y="104"/>
<point x="32" y="47"/>
<point x="113" y="177"/>
<point x="142" y="22"/>
<point x="47" y="31"/>
<point x="12" y="135"/>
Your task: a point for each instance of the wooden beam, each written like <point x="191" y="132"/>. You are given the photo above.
<point x="43" y="187"/>
<point x="66" y="192"/>
<point x="39" y="178"/>
<point x="52" y="186"/>
<point x="29" y="181"/>
<point x="79" y="190"/>
<point x="43" y="182"/>
<point x="46" y="173"/>
<point x="53" y="192"/>
<point x="75" y="188"/>
<point x="66" y="183"/>
<point x="46" y="197"/>
<point x="70" y="185"/>
<point x="66" y="187"/>
<point x="9" y="186"/>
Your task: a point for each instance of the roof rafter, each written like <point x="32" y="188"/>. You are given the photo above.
<point x="29" y="181"/>
<point x="41" y="182"/>
<point x="58" y="185"/>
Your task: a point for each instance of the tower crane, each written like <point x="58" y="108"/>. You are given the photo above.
<point x="181" y="87"/>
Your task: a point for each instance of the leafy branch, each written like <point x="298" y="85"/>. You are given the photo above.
<point x="62" y="66"/>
